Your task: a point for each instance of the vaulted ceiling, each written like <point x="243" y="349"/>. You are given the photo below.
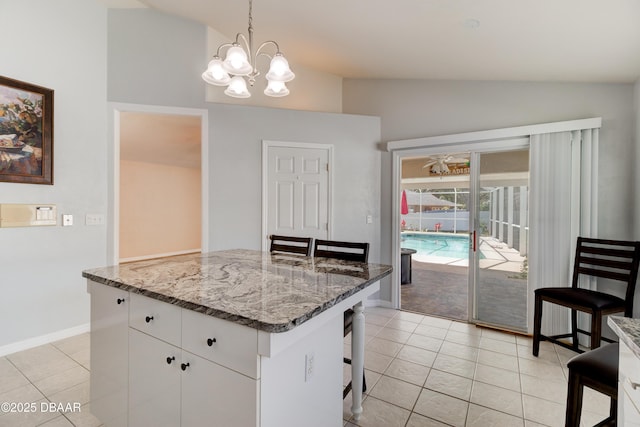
<point x="509" y="40"/>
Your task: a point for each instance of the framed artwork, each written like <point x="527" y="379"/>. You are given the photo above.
<point x="26" y="132"/>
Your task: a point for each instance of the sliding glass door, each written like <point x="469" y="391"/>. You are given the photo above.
<point x="499" y="239"/>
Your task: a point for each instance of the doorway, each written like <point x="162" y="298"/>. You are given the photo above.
<point x="466" y="219"/>
<point x="159" y="192"/>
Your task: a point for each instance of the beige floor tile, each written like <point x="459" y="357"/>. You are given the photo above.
<point x="454" y="365"/>
<point x="12" y="378"/>
<point x="479" y="416"/>
<point x="409" y="316"/>
<point x="73" y="344"/>
<point x="467" y="328"/>
<point x="497" y="398"/>
<point x="60" y="421"/>
<point x="408" y="371"/>
<point x="498" y="377"/>
<point x="83" y="418"/>
<point x="431" y="331"/>
<point x="450" y="384"/>
<point x="595" y="402"/>
<point x="377" y="413"/>
<point x="441" y="407"/>
<point x="544" y="355"/>
<point x="553" y="390"/>
<point x="417" y="355"/>
<point x="417" y="420"/>
<point x="27" y="393"/>
<point x="73" y="395"/>
<point x="375" y="319"/>
<point x="376" y="362"/>
<point x="459" y="350"/>
<point x="437" y="321"/>
<point x="403" y="325"/>
<point x="397" y="392"/>
<point x="541" y="369"/>
<point x="498" y="346"/>
<point x="381" y="311"/>
<point x="41" y="362"/>
<point x="498" y="360"/>
<point x="62" y="381"/>
<point x="83" y="357"/>
<point x="543" y="411"/>
<point x="428" y="343"/>
<point x="463" y="338"/>
<point x="498" y="335"/>
<point x="395" y="335"/>
<point x="382" y="346"/>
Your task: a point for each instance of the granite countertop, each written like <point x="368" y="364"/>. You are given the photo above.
<point x="628" y="329"/>
<point x="270" y="292"/>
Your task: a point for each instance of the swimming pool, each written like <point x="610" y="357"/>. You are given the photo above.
<point x="439" y="245"/>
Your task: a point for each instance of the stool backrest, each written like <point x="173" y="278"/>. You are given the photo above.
<point x="610" y="259"/>
<point x="349" y="251"/>
<point x="291" y="244"/>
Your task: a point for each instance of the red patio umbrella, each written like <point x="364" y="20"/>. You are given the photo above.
<point x="404" y="207"/>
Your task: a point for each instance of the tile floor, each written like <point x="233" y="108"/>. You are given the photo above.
<point x="420" y="370"/>
<point x="427" y="371"/>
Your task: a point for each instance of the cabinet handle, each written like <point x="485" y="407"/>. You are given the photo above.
<point x="120" y="300"/>
<point x="633" y="385"/>
<point x="184" y="366"/>
<point x="148" y="319"/>
<point x="170" y="359"/>
<point x="210" y="341"/>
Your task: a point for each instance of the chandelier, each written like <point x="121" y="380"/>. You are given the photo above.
<point x="239" y="66"/>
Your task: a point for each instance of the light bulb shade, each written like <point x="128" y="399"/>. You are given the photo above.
<point x="276" y="89"/>
<point x="236" y="62"/>
<point x="215" y="74"/>
<point x="279" y="69"/>
<point x="237" y="88"/>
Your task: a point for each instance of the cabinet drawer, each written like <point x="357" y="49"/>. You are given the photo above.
<point x="156" y="318"/>
<point x="226" y="343"/>
<point x="630" y="374"/>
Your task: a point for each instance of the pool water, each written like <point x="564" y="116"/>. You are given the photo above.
<point x="437" y="244"/>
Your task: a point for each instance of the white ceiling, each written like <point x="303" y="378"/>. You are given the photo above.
<point x="516" y="40"/>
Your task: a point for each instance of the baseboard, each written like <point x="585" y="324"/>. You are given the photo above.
<point x="164" y="255"/>
<point x="378" y="303"/>
<point x="43" y="339"/>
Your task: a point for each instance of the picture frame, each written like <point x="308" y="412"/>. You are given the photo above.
<point x="26" y="132"/>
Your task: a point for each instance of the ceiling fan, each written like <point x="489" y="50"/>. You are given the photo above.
<point x="439" y="163"/>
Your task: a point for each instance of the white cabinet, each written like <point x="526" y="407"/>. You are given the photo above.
<point x="628" y="388"/>
<point x="213" y="395"/>
<point x="109" y="354"/>
<point x="154" y="381"/>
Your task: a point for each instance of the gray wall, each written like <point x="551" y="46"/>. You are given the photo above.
<point x="413" y="109"/>
<point x="61" y="45"/>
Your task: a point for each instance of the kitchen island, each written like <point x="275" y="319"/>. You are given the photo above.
<point x="229" y="338"/>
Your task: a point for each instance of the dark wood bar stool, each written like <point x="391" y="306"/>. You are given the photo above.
<point x="291" y="244"/>
<point x="596" y="369"/>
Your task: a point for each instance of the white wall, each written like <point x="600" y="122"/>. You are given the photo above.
<point x="636" y="188"/>
<point x="236" y="132"/>
<point x="236" y="171"/>
<point x="419" y="108"/>
<point x="60" y="45"/>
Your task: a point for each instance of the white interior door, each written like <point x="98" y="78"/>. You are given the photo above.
<point x="297" y="188"/>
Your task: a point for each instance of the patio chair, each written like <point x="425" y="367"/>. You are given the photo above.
<point x="348" y="251"/>
<point x="290" y="244"/>
<point x="616" y="260"/>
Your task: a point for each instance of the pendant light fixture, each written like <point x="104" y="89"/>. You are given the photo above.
<point x="239" y="66"/>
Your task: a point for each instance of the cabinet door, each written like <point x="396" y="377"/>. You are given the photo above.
<point x="109" y="353"/>
<point x="214" y="396"/>
<point x="154" y="382"/>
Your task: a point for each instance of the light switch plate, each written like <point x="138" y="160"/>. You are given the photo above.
<point x="67" y="220"/>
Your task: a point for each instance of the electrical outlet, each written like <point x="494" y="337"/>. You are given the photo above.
<point x="94" y="219"/>
<point x="309" y="367"/>
<point x="67" y="220"/>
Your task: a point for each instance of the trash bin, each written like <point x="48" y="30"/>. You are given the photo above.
<point x="405" y="265"/>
